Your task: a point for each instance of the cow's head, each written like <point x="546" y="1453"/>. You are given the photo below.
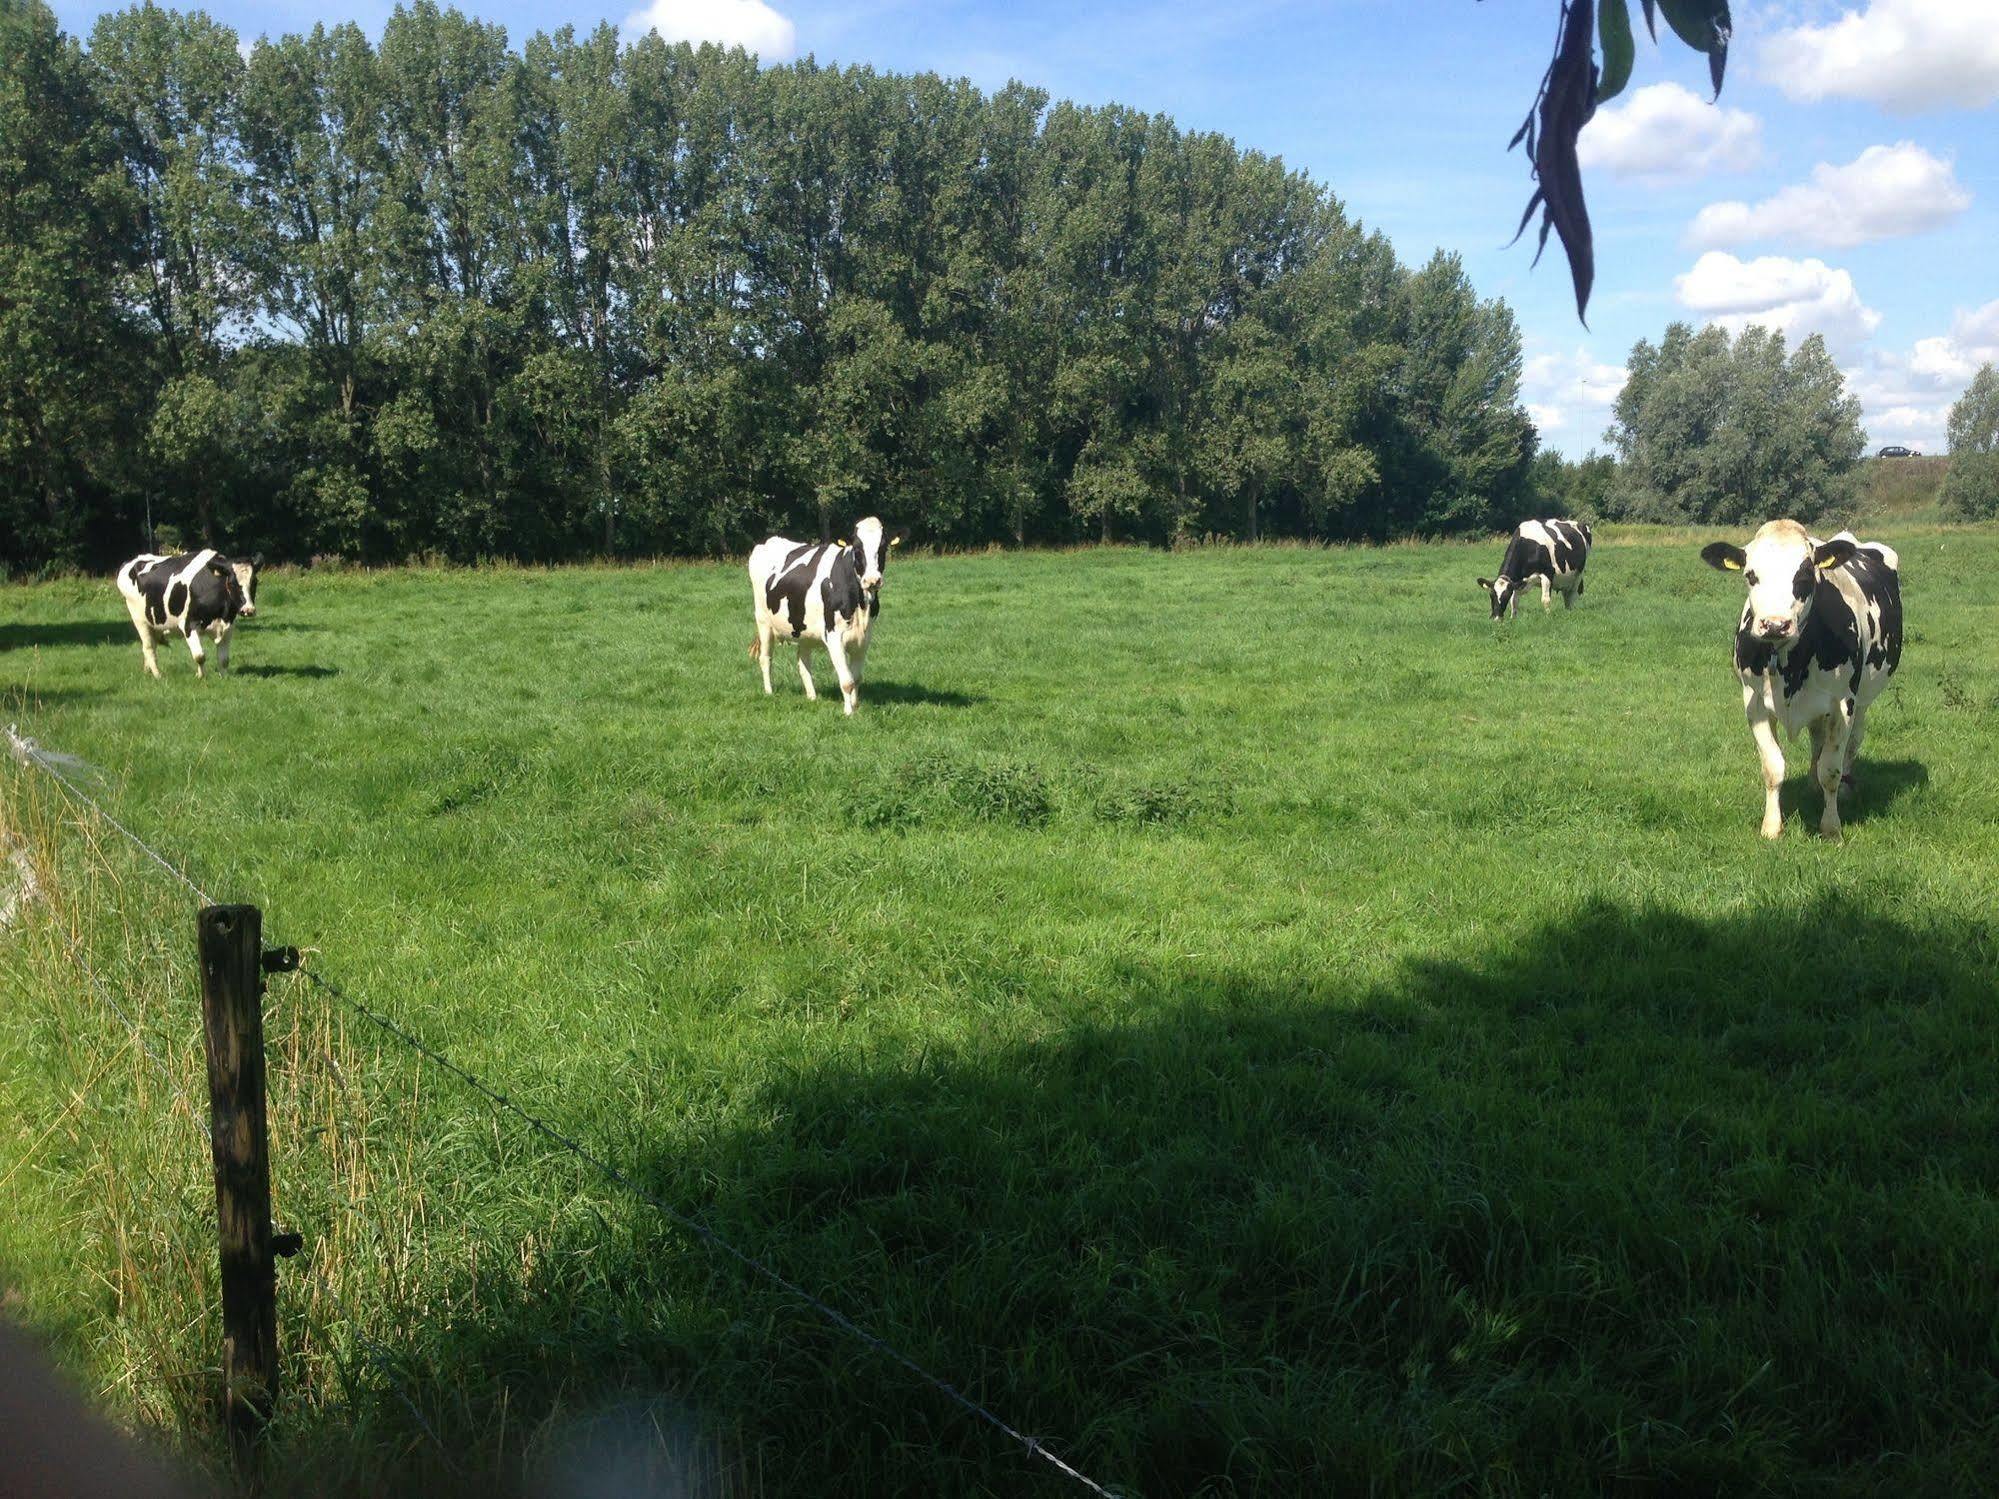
<point x="1502" y="590"/>
<point x="871" y="547"/>
<point x="1781" y="565"/>
<point x="245" y="574"/>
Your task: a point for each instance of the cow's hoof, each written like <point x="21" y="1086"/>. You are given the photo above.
<point x="1773" y="831"/>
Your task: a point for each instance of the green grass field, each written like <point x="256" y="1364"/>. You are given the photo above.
<point x="1256" y="1024"/>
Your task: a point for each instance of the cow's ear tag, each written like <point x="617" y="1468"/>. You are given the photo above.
<point x="1828" y="564"/>
<point x="895" y="541"/>
<point x="1731" y="564"/>
<point x="843" y="543"/>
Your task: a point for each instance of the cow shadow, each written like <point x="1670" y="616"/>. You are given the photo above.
<point x="1612" y="1206"/>
<point x="264" y="670"/>
<point x="1879" y="785"/>
<point x="913" y="694"/>
<point x="67" y="632"/>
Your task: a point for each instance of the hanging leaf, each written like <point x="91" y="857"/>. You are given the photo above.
<point x="1652" y="18"/>
<point x="1705" y="26"/>
<point x="1564" y="105"/>
<point x="1614" y="36"/>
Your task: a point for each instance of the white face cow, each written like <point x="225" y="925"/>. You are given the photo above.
<point x="824" y="597"/>
<point x="1819" y="637"/>
<point x="870" y="543"/>
<point x="1781" y="565"/>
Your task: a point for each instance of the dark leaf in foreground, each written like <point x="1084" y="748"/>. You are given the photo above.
<point x="1705" y="26"/>
<point x="1614" y="29"/>
<point x="1566" y="102"/>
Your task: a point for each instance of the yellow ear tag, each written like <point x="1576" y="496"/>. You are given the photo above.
<point x="1731" y="564"/>
<point x="842" y="543"/>
<point x="1828" y="565"/>
<point x="895" y="541"/>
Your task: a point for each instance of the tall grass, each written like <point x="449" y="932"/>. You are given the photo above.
<point x="1246" y="1017"/>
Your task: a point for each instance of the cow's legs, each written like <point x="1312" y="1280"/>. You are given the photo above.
<point x="222" y="648"/>
<point x="763" y="652"/>
<point x="805" y="667"/>
<point x="1853" y="737"/>
<point x="1544" y="593"/>
<point x="1831" y="763"/>
<point x="194" y="649"/>
<point x="1569" y="596"/>
<point x="137" y="609"/>
<point x="1764" y="731"/>
<point x="850" y="688"/>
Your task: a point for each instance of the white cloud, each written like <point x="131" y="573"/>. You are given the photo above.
<point x="1906" y="55"/>
<point x="749" y="24"/>
<point x="1907" y="396"/>
<point x="1883" y="193"/>
<point x="1800" y="297"/>
<point x="1665" y="130"/>
<point x="1570" y="395"/>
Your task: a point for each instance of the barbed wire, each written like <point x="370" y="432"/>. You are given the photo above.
<point x="28" y="752"/>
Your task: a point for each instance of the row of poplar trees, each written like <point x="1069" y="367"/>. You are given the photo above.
<point x="431" y="296"/>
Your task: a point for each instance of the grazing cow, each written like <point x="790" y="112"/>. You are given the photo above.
<point x="1555" y="551"/>
<point x="186" y="595"/>
<point x="819" y="594"/>
<point x="1819" y="638"/>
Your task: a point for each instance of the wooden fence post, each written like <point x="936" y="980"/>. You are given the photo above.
<point x="229" y="940"/>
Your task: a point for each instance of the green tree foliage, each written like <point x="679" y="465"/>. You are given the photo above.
<point x="1580" y="489"/>
<point x="66" y="235"/>
<point x="1971" y="488"/>
<point x="1718" y="430"/>
<point x="439" y="295"/>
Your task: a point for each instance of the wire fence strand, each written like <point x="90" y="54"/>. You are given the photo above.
<point x="28" y="752"/>
<point x="375" y="1352"/>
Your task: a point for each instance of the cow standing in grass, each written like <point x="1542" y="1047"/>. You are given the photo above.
<point x="820" y="595"/>
<point x="1554" y="551"/>
<point x="1820" y="635"/>
<point x="185" y="595"/>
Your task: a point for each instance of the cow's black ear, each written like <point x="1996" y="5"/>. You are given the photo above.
<point x="258" y="560"/>
<point x="1721" y="555"/>
<point x="1834" y="553"/>
<point x="1486" y="584"/>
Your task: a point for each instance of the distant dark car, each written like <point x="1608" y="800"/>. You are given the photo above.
<point x="1894" y="450"/>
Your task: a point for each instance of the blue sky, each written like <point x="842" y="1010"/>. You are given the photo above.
<point x="1847" y="182"/>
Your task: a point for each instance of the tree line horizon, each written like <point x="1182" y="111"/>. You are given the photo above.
<point x="436" y="296"/>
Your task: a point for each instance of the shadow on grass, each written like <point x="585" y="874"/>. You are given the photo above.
<point x="15" y="637"/>
<point x="284" y="671"/>
<point x="1640" y="1203"/>
<point x="909" y="692"/>
<point x="1879" y="785"/>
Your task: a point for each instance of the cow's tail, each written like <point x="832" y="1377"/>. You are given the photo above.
<point x="756" y="648"/>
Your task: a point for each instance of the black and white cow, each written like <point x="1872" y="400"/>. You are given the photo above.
<point x="186" y="595"/>
<point x="1555" y="551"/>
<point x="1819" y="638"/>
<point x="827" y="595"/>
